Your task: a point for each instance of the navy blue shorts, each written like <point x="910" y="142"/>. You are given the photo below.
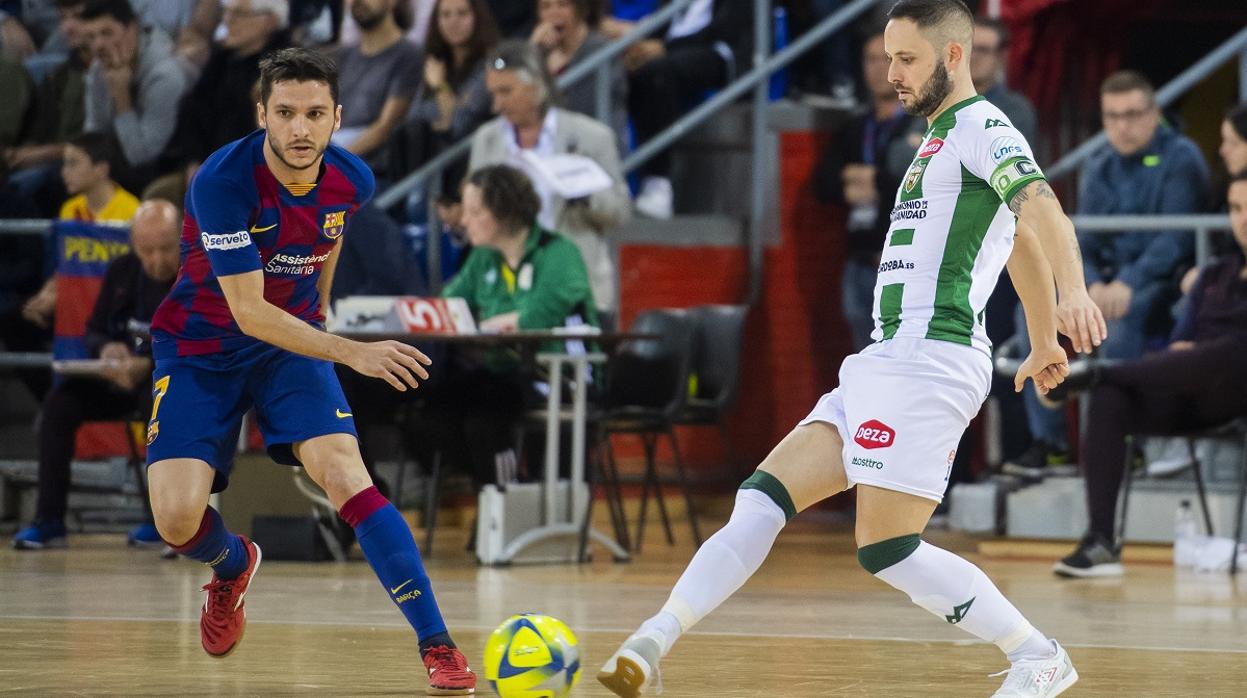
<point x="198" y="403"/>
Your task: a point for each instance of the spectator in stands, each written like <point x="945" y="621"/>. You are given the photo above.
<point x="987" y="70"/>
<point x="1233" y="149"/>
<point x="531" y="127"/>
<point x="379" y="78"/>
<point x="707" y="45"/>
<point x="190" y="23"/>
<point x="94" y="196"/>
<point x="515" y="17"/>
<point x="415" y="15"/>
<point x="133" y="286"/>
<point x="519" y="276"/>
<point x="1146" y="168"/>
<point x="1196" y="383"/>
<point x="220" y="108"/>
<point x="566" y="33"/>
<point x="25" y="27"/>
<point x="56" y="114"/>
<point x="452" y="101"/>
<point x="861" y="170"/>
<point x="134" y="85"/>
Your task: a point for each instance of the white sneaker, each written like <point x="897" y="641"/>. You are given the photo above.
<point x="633" y="666"/>
<point x="1167" y="456"/>
<point x="1038" y="678"/>
<point x="656" y="199"/>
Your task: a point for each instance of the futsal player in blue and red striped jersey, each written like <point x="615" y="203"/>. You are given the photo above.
<point x="243" y="327"/>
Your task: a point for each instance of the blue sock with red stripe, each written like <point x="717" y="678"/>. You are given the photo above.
<point x="216" y="547"/>
<point x="387" y="543"/>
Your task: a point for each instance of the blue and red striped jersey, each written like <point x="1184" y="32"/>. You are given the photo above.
<point x="238" y="219"/>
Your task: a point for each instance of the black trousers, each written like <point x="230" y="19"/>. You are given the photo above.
<point x="18" y="334"/>
<point x="1167" y="392"/>
<point x="660" y="91"/>
<point x="466" y="412"/>
<point x="66" y="407"/>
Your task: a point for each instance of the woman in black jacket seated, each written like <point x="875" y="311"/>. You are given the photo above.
<point x="1199" y="381"/>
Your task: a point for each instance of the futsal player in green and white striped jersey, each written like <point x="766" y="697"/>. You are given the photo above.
<point x="972" y="202"/>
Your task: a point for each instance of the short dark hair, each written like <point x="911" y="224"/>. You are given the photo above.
<point x="1237" y="116"/>
<point x="508" y="194"/>
<point x="298" y="65"/>
<point x="98" y="147"/>
<point x="929" y="13"/>
<point x="1001" y="29"/>
<point x="119" y="10"/>
<point x="1128" y="81"/>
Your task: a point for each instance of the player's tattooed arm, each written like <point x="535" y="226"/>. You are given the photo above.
<point x="1040" y="189"/>
<point x="1037" y="207"/>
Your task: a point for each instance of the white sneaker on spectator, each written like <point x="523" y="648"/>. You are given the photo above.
<point x="656" y="199"/>
<point x="1167" y="456"/>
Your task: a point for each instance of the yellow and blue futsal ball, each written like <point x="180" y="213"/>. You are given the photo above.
<point x="532" y="656"/>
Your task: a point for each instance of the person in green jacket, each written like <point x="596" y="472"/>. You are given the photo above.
<point x="518" y="277"/>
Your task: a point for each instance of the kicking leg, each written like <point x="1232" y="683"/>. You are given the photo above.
<point x="179" y="489"/>
<point x="889" y="526"/>
<point x="804" y="468"/>
<point x="333" y="462"/>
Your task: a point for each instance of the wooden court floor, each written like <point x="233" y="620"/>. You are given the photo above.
<point x="100" y="619"/>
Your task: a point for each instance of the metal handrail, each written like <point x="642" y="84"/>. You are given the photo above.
<point x="25" y="226"/>
<point x="600" y="59"/>
<point x="1234" y="46"/>
<point x="761" y="72"/>
<point x="1136" y="222"/>
<point x="1201" y="224"/>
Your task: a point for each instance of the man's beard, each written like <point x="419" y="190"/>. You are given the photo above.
<point x="281" y="155"/>
<point x="932" y="93"/>
<point x="367" y="22"/>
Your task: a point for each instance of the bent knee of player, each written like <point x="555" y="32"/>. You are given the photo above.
<point x="179" y="490"/>
<point x="177" y="518"/>
<point x="809" y="464"/>
<point x="335" y="464"/>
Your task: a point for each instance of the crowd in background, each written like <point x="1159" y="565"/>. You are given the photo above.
<point x="113" y="102"/>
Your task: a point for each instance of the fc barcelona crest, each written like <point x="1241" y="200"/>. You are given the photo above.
<point x="335" y="223"/>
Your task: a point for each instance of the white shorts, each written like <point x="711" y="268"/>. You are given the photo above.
<point x="901" y="408"/>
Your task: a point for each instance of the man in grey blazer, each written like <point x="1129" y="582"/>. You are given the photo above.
<point x="524" y="97"/>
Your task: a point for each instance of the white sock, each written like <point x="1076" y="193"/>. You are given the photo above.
<point x="720" y="567"/>
<point x="956" y="590"/>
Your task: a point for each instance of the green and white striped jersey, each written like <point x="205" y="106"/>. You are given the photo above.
<point x="952" y="232"/>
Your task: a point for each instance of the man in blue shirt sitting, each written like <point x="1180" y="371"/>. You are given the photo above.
<point x="1146" y="168"/>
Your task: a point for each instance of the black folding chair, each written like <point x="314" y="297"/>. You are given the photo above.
<point x="646" y="388"/>
<point x="718" y="346"/>
<point x="1235" y="430"/>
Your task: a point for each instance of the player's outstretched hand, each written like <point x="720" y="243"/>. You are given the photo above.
<point x="1080" y="319"/>
<point x="1047" y="366"/>
<point x="400" y="365"/>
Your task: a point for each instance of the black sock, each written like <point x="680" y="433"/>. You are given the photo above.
<point x="432" y="641"/>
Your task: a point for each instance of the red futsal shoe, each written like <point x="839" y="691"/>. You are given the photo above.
<point x="449" y="674"/>
<point x="224" y="617"/>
